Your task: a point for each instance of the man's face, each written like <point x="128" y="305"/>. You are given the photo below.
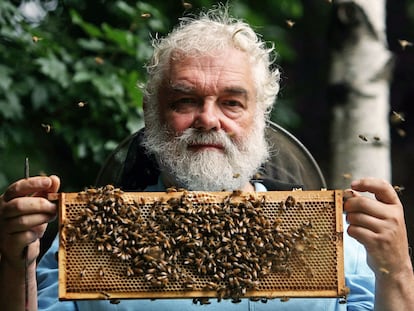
<point x="206" y="136"/>
<point x="210" y="94"/>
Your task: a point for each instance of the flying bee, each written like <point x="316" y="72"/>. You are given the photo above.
<point x="99" y="60"/>
<point x="404" y="43"/>
<point x="187" y="5"/>
<point x="290" y="23"/>
<point x="36" y="39"/>
<point x="401" y="132"/>
<point x="399" y="189"/>
<point x="397" y="117"/>
<point x="47" y="127"/>
<point x="145" y="15"/>
<point x="363" y="137"/>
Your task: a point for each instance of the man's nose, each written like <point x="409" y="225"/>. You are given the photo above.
<point x="207" y="117"/>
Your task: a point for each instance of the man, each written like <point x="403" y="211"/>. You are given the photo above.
<point x="209" y="92"/>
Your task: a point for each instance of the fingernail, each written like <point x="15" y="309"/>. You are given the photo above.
<point x="348" y="193"/>
<point x="46" y="182"/>
<point x="355" y="183"/>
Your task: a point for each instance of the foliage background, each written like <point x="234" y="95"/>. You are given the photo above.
<point x="68" y="79"/>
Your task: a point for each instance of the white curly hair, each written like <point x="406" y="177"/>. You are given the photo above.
<point x="209" y="32"/>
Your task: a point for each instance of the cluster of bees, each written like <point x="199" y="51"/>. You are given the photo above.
<point x="191" y="240"/>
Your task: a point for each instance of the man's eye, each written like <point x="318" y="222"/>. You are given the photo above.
<point x="232" y="103"/>
<point x="186" y="100"/>
<point x="183" y="104"/>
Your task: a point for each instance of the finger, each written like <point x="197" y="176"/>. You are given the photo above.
<point x="55" y="183"/>
<point x="54" y="187"/>
<point x="24" y="187"/>
<point x="363" y="220"/>
<point x="360" y="204"/>
<point x="28" y="206"/>
<point x="363" y="235"/>
<point x="349" y="193"/>
<point x="382" y="190"/>
<point x="26" y="223"/>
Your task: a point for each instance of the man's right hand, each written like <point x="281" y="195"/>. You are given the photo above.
<point x="24" y="214"/>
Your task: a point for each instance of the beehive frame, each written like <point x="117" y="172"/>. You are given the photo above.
<point x="317" y="270"/>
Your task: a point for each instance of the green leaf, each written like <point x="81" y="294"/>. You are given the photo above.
<point x="92" y="44"/>
<point x="124" y="39"/>
<point x="11" y="107"/>
<point x="52" y="67"/>
<point x="83" y="76"/>
<point x="125" y="8"/>
<point x="5" y="79"/>
<point x="90" y="29"/>
<point x="39" y="96"/>
<point x="109" y="86"/>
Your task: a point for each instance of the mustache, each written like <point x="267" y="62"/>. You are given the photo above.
<point x="193" y="136"/>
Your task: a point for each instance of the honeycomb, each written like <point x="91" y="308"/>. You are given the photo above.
<point x="181" y="244"/>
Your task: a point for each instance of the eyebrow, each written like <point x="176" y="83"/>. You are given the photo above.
<point x="182" y="88"/>
<point x="188" y="89"/>
<point x="239" y="91"/>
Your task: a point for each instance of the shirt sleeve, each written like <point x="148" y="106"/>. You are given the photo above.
<point x="47" y="282"/>
<point x="358" y="276"/>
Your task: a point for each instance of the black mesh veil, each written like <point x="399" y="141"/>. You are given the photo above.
<point x="290" y="166"/>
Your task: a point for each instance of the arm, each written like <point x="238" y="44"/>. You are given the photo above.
<point x="24" y="214"/>
<point x="379" y="225"/>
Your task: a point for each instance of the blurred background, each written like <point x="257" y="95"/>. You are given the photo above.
<point x="69" y="72"/>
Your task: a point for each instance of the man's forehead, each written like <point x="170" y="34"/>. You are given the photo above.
<point x="230" y="73"/>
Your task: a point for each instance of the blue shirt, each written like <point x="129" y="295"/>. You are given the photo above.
<point x="358" y="276"/>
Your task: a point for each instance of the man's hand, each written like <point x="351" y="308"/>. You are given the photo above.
<point x="379" y="225"/>
<point x="24" y="214"/>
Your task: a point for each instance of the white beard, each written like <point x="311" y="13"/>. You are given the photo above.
<point x="209" y="170"/>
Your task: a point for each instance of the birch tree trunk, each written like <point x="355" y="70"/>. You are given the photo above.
<point x="359" y="85"/>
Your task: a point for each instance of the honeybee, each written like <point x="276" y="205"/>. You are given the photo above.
<point x="99" y="60"/>
<point x="47" y="127"/>
<point x="290" y="23"/>
<point x="363" y="137"/>
<point x="187" y="5"/>
<point x="397" y="117"/>
<point x="399" y="189"/>
<point x="36" y="39"/>
<point x="404" y="43"/>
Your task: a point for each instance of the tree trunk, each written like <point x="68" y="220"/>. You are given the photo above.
<point x="359" y="91"/>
